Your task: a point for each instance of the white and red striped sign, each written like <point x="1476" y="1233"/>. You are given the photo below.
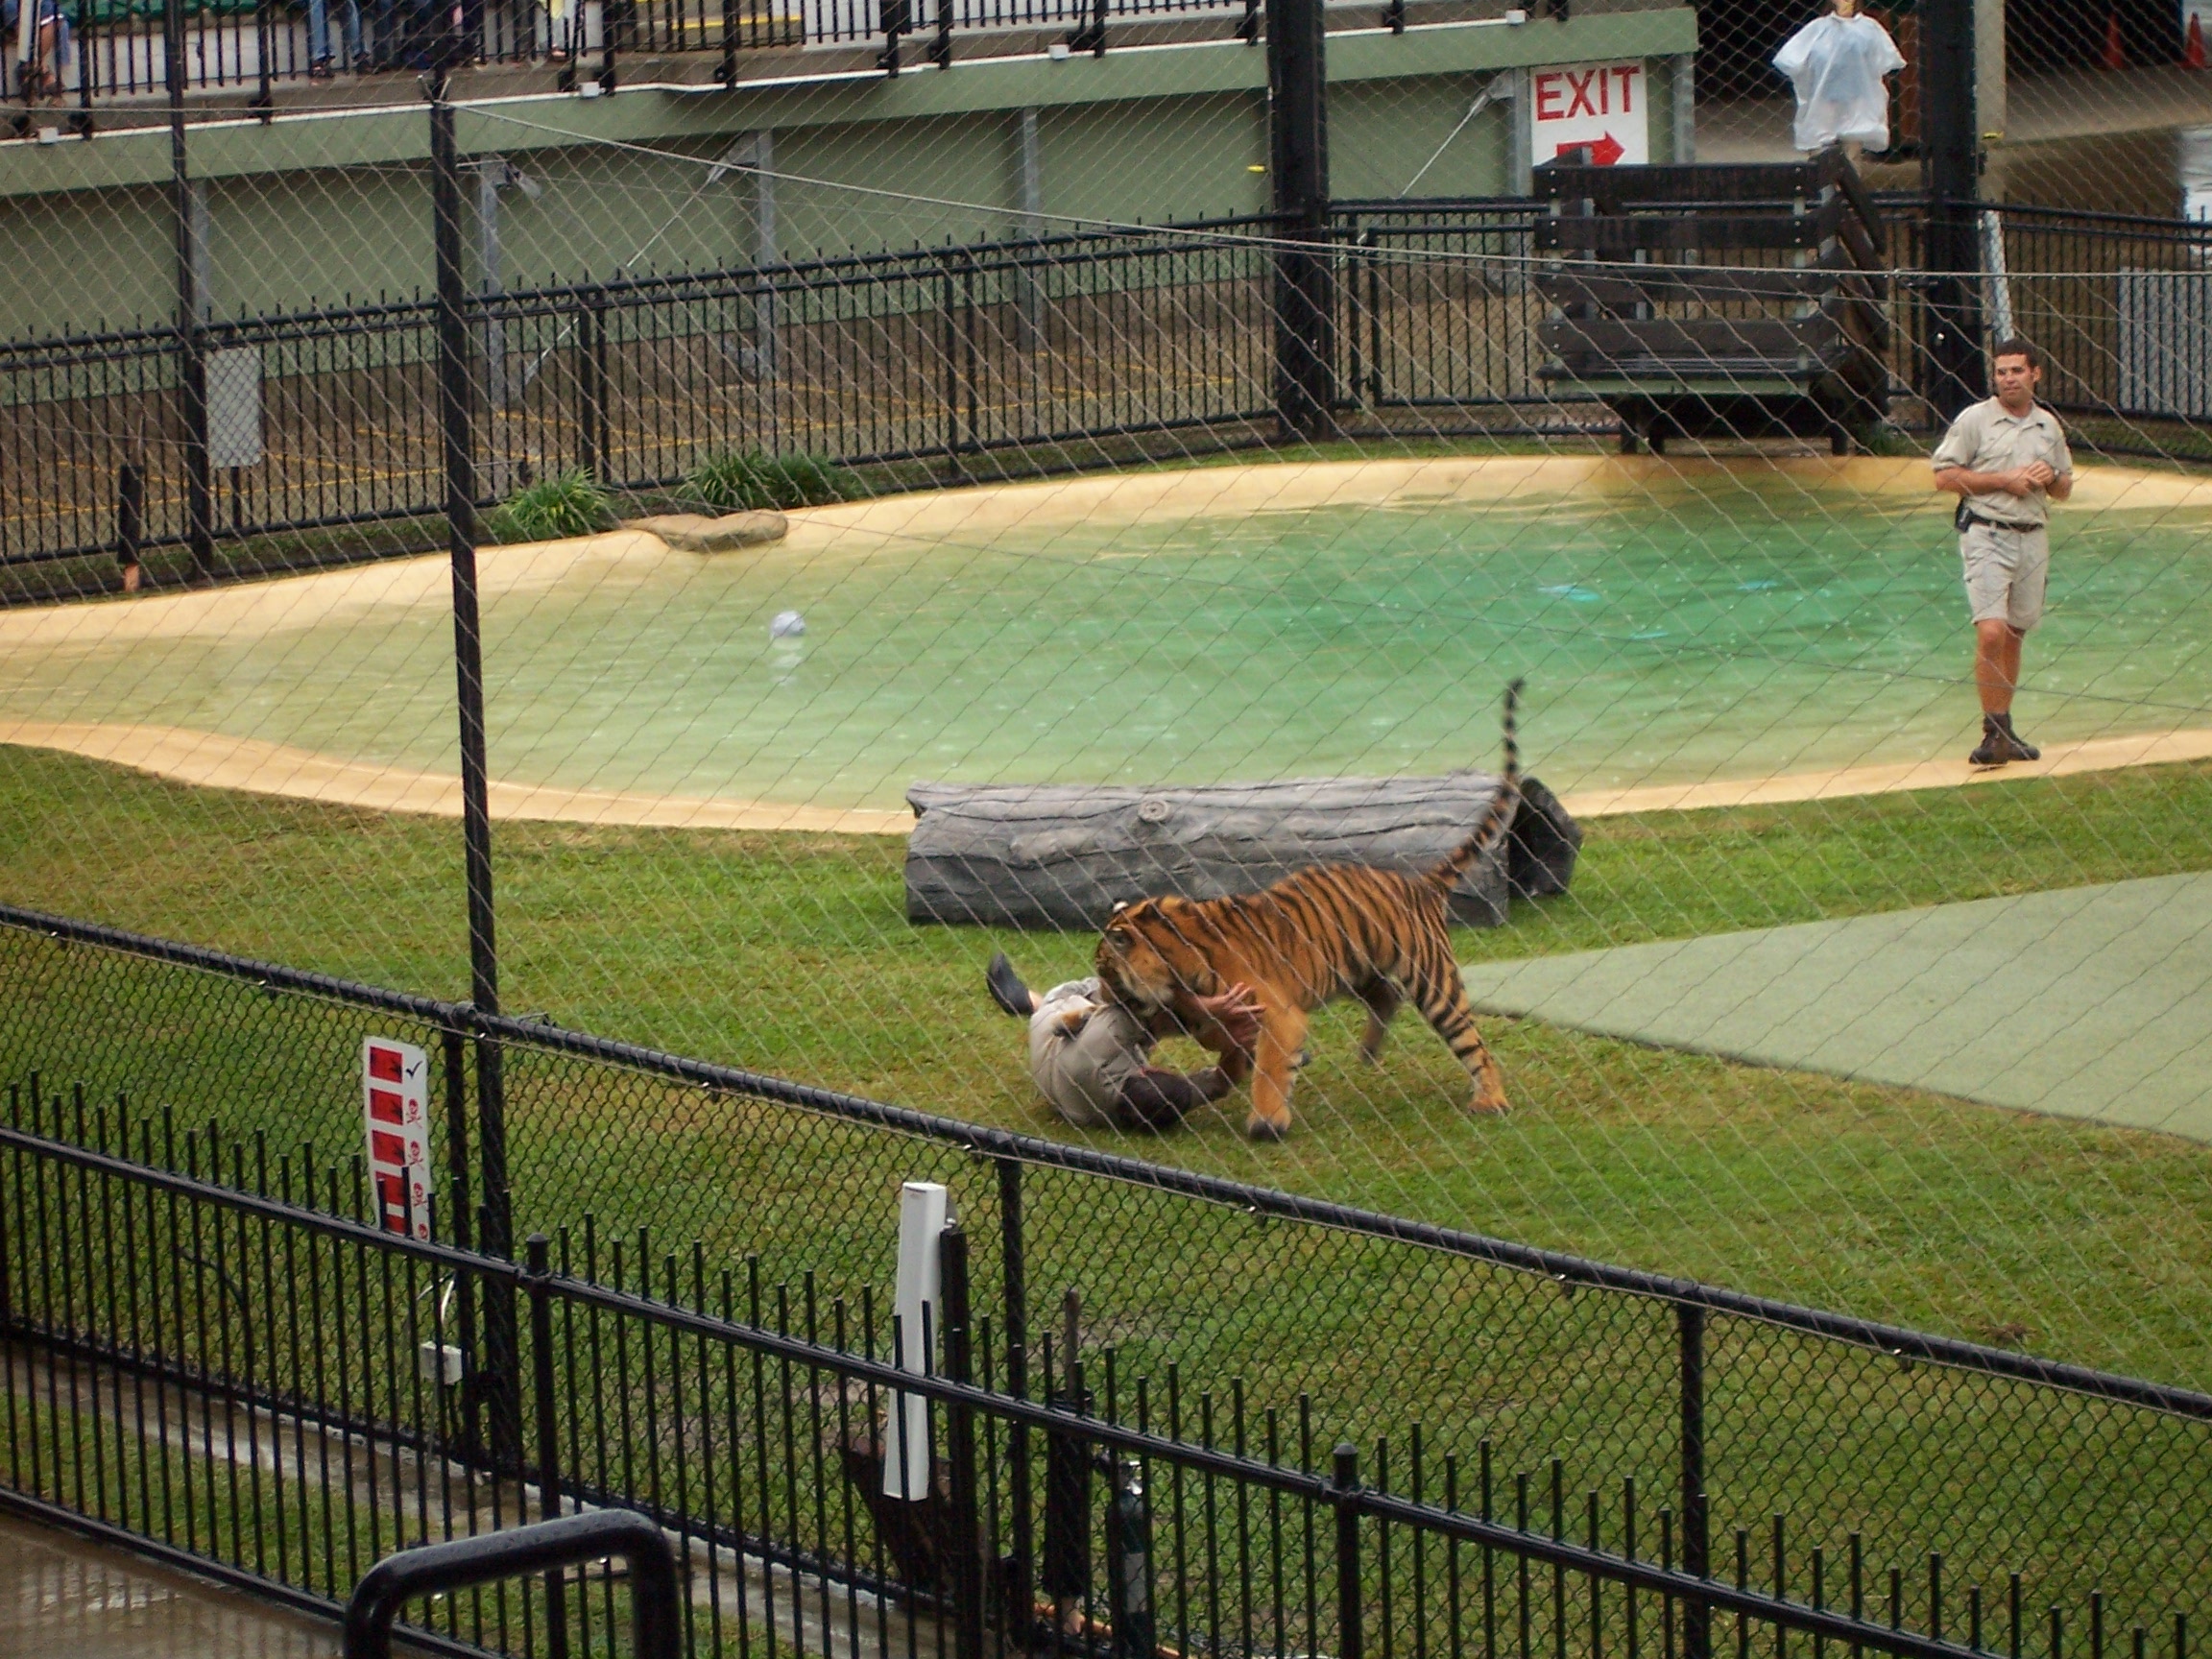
<point x="396" y="1107"/>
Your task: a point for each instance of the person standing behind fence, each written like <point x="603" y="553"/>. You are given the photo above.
<point x="2006" y="459"/>
<point x="1838" y="64"/>
<point x="349" y="54"/>
<point x="43" y="73"/>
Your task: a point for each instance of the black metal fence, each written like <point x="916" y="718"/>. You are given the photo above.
<point x="185" y="1236"/>
<point x="109" y="54"/>
<point x="981" y="359"/>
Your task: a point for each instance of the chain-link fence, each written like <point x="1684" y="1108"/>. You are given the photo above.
<point x="237" y="1384"/>
<point x="1209" y="1292"/>
<point x="760" y="493"/>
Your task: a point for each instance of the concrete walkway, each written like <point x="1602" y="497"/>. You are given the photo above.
<point x="66" y="1598"/>
<point x="2091" y="1002"/>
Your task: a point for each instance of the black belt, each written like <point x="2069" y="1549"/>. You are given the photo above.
<point x="1966" y="520"/>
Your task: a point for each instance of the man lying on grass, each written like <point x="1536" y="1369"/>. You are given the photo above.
<point x="1091" y="1058"/>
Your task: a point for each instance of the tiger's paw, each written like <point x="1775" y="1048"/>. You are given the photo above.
<point x="1266" y="1129"/>
<point x="1489" y="1106"/>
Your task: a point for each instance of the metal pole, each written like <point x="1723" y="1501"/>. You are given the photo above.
<point x="1305" y="280"/>
<point x="764" y="251"/>
<point x="1350" y="1633"/>
<point x="1029" y="311"/>
<point x="547" y="1400"/>
<point x="1696" y="1552"/>
<point x="264" y="100"/>
<point x="967" y="1564"/>
<point x="1952" y="169"/>
<point x="453" y="419"/>
<point x="191" y="361"/>
<point x="1022" y="1572"/>
<point x="130" y="520"/>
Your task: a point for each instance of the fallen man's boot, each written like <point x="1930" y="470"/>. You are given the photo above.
<point x="1006" y="988"/>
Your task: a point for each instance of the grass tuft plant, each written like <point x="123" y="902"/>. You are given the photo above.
<point x="751" y="479"/>
<point x="568" y="503"/>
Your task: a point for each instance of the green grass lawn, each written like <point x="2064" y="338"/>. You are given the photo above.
<point x="791" y="953"/>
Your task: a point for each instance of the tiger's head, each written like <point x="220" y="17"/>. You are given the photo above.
<point x="1146" y="957"/>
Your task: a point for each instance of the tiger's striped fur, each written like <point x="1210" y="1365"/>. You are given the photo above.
<point x="1326" y="931"/>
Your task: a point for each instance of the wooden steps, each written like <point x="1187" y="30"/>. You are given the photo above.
<point x="1718" y="300"/>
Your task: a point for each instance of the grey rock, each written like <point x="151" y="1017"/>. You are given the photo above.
<point x="696" y="533"/>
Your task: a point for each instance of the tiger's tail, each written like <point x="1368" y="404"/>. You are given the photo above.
<point x="1499" y="817"/>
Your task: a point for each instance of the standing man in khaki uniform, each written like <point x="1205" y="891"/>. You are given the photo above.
<point x="2006" y="461"/>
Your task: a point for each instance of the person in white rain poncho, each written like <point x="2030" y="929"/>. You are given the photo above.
<point x="1837" y="64"/>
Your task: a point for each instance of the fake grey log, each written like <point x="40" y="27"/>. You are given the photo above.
<point x="1063" y="855"/>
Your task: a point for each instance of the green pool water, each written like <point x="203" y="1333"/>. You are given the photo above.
<point x="1737" y="633"/>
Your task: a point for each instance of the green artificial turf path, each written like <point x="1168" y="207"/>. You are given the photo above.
<point x="2091" y="1002"/>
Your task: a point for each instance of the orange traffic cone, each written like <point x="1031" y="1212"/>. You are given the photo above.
<point x="2115" y="48"/>
<point x="2193" y="52"/>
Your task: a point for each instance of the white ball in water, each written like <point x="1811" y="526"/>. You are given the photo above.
<point x="787" y="625"/>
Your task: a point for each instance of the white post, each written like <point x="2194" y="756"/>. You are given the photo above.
<point x="1989" y="83"/>
<point x="1520" y="154"/>
<point x="923" y="1211"/>
<point x="765" y="250"/>
<point x="491" y="174"/>
<point x="1996" y="276"/>
<point x="1030" y="187"/>
<point x="1685" y="109"/>
<point x="198" y="225"/>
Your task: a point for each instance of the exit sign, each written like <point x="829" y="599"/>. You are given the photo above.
<point x="1601" y="107"/>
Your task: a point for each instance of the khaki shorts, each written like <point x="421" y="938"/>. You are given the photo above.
<point x="2005" y="570"/>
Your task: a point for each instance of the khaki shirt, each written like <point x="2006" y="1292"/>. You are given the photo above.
<point x="1082" y="1048"/>
<point x="1984" y="439"/>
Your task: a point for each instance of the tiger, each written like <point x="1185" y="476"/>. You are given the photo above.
<point x="1325" y="931"/>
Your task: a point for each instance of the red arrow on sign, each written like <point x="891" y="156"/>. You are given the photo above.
<point x="1605" y="152"/>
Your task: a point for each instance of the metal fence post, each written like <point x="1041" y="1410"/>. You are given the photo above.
<point x="263" y="103"/>
<point x="547" y="1403"/>
<point x="1298" y="164"/>
<point x="967" y="1565"/>
<point x="1349" y="1633"/>
<point x="1696" y="1550"/>
<point x="454" y="411"/>
<point x="1019" y="1570"/>
<point x="591" y="389"/>
<point x="948" y="344"/>
<point x="191" y="361"/>
<point x="1951" y="171"/>
<point x="129" y="520"/>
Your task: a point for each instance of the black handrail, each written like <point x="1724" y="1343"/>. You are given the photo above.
<point x="544" y="1548"/>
